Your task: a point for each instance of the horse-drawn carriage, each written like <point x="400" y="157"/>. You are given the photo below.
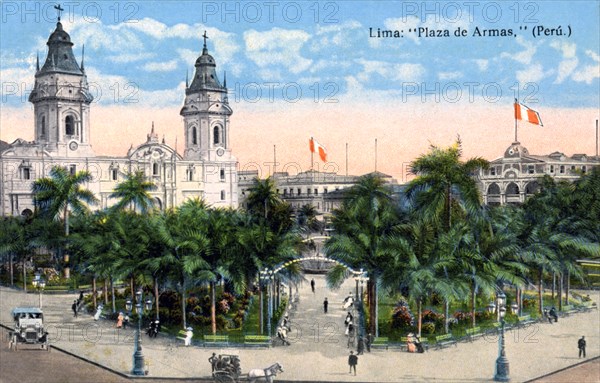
<point x="226" y="369"/>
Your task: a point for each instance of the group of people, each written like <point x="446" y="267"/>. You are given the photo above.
<point x="122" y="320"/>
<point x="551" y="314"/>
<point x="229" y="363"/>
<point x="153" y="328"/>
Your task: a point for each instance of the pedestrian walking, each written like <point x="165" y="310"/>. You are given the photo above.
<point x="325" y="304"/>
<point x="348" y="319"/>
<point x="369" y="341"/>
<point x="120" y="320"/>
<point x="581" y="346"/>
<point x="74" y="308"/>
<point x="352" y="362"/>
<point x="312" y="285"/>
<point x="213" y="361"/>
<point x="360" y="348"/>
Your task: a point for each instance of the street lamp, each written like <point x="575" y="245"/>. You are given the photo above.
<point x="265" y="276"/>
<point x="502" y="368"/>
<point x="514" y="308"/>
<point x="39" y="283"/>
<point x="140" y="308"/>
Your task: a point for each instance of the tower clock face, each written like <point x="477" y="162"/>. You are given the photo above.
<point x="73" y="145"/>
<point x="220" y="151"/>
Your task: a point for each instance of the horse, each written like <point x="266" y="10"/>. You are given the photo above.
<point x="265" y="374"/>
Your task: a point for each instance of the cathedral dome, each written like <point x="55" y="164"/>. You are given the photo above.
<point x="59" y="35"/>
<point x="205" y="59"/>
<point x="205" y="76"/>
<point x="60" y="57"/>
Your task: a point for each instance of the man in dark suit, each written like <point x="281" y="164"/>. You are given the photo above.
<point x="325" y="304"/>
<point x="581" y="346"/>
<point x="352" y="362"/>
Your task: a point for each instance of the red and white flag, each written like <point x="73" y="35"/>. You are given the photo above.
<point x="315" y="147"/>
<point x="524" y="113"/>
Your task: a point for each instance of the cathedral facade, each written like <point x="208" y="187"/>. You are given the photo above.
<point x="62" y="104"/>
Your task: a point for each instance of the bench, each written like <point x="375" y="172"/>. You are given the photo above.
<point x="380" y="342"/>
<point x="524" y="320"/>
<point x="257" y="340"/>
<point x="472" y="333"/>
<point x="588" y="306"/>
<point x="403" y="345"/>
<point x="216" y="340"/>
<point x="444" y="340"/>
<point x="568" y="310"/>
<point x="181" y="335"/>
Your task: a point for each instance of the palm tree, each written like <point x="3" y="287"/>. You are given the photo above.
<point x="61" y="192"/>
<point x="14" y="243"/>
<point x="444" y="187"/>
<point x="443" y="181"/>
<point x="262" y="197"/>
<point x="220" y="233"/>
<point x="134" y="192"/>
<point x="185" y="245"/>
<point x="364" y="236"/>
<point x="307" y="219"/>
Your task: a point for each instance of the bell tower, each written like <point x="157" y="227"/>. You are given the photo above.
<point x="61" y="99"/>
<point x="206" y="112"/>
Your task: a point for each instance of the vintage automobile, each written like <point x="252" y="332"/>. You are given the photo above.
<point x="29" y="328"/>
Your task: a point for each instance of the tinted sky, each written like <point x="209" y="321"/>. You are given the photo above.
<point x="319" y="64"/>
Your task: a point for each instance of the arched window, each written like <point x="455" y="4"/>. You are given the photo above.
<point x="532" y="187"/>
<point x="494" y="189"/>
<point x="69" y="126"/>
<point x="512" y="189"/>
<point x="155" y="169"/>
<point x="217" y="134"/>
<point x="43" y="126"/>
<point x="194" y="136"/>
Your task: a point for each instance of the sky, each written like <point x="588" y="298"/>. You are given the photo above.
<point x="298" y="69"/>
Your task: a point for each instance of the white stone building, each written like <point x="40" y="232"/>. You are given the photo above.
<point x="62" y="105"/>
<point x="515" y="176"/>
<point x="323" y="190"/>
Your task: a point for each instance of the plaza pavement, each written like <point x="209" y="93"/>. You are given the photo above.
<point x="319" y="351"/>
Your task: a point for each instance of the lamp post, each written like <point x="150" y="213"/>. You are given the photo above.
<point x="140" y="305"/>
<point x="502" y="368"/>
<point x="265" y="276"/>
<point x="39" y="283"/>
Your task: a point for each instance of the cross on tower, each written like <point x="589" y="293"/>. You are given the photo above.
<point x="58" y="10"/>
<point x="205" y="37"/>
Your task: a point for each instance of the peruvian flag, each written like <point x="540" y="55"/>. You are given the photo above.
<point x="315" y="147"/>
<point x="524" y="113"/>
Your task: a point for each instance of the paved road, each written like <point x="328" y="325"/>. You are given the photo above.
<point x="314" y="355"/>
<point x="34" y="365"/>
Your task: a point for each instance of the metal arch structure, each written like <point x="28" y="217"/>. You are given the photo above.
<point x="283" y="265"/>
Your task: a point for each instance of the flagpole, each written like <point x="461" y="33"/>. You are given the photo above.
<point x="516" y="106"/>
<point x="312" y="155"/>
<point x="274" y="159"/>
<point x="596" y="137"/>
<point x="347" y="149"/>
<point x="376" y="154"/>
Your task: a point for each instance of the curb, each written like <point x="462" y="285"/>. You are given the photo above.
<point x="562" y="369"/>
